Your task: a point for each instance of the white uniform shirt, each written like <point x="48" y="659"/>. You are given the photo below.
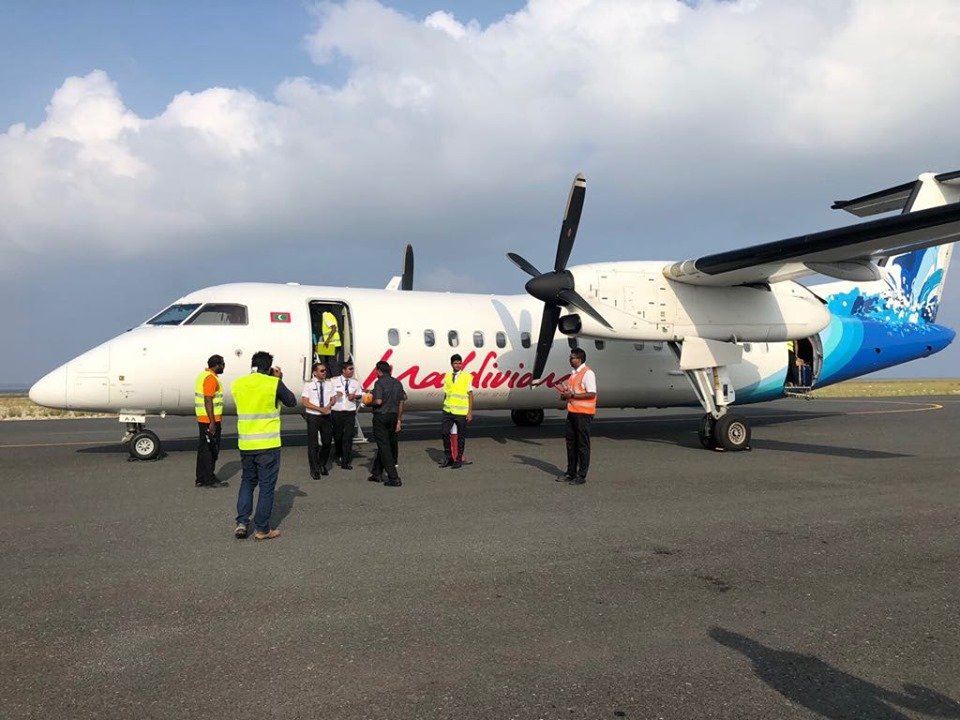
<point x="319" y="392"/>
<point x="347" y="386"/>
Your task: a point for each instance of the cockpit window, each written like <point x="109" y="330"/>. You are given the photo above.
<point x="220" y="314"/>
<point x="174" y="315"/>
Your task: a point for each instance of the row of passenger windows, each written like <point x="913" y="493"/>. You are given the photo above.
<point x="500" y="338"/>
<point x="453" y="338"/>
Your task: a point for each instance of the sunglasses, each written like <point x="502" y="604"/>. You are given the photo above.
<point x="323" y="370"/>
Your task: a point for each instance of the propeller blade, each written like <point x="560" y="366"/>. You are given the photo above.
<point x="548" y="328"/>
<point x="575" y="299"/>
<point x="406" y="279"/>
<point x="523" y="265"/>
<point x="571" y="221"/>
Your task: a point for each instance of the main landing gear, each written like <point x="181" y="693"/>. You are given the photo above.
<point x="142" y="444"/>
<point x="526" y="418"/>
<point x="719" y="429"/>
<point x="730" y="432"/>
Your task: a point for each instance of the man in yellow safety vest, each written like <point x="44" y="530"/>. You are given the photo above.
<point x="329" y="343"/>
<point x="208" y="405"/>
<point x="258" y="397"/>
<point x="457" y="411"/>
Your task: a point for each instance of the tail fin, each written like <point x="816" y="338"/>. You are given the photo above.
<point x="912" y="284"/>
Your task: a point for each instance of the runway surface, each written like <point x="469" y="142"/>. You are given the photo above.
<point x="816" y="576"/>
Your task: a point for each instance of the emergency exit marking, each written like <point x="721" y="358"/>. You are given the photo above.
<point x="280" y="317"/>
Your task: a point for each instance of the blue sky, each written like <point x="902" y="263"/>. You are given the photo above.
<point x="133" y="133"/>
<point x="154" y="50"/>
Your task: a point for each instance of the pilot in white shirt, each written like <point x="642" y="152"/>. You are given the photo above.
<point x="349" y="393"/>
<point x="318" y="397"/>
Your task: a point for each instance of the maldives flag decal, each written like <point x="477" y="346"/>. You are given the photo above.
<point x="280" y="317"/>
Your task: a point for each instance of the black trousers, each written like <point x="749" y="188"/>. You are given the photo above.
<point x="385" y="435"/>
<point x="319" y="427"/>
<point x="578" y="444"/>
<point x="208" y="450"/>
<point x="344" y="428"/>
<point x="446" y="425"/>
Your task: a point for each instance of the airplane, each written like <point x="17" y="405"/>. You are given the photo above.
<point x="722" y="330"/>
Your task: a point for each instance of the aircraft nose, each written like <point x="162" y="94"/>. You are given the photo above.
<point x="51" y="390"/>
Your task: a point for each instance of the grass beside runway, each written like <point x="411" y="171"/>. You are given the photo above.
<point x="20" y="407"/>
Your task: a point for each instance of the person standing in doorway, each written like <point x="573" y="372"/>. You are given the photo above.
<point x="329" y="343"/>
<point x="208" y="404"/>
<point x="457" y="411"/>
<point x="258" y="397"/>
<point x="348" y="392"/>
<point x="388" y="399"/>
<point x="580" y="392"/>
<point x="318" y="398"/>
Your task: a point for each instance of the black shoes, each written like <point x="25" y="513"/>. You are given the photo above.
<point x="215" y="483"/>
<point x="456" y="465"/>
<point x="374" y="478"/>
<point x="315" y="476"/>
<point x="578" y="481"/>
<point x="324" y="471"/>
<point x="348" y="466"/>
<point x="393" y="483"/>
<point x="563" y="478"/>
<point x="241" y="532"/>
<point x="573" y="480"/>
<point x="446" y="463"/>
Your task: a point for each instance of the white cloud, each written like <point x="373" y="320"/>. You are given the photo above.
<point x="443" y="128"/>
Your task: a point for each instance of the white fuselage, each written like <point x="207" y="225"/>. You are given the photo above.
<point x="151" y="369"/>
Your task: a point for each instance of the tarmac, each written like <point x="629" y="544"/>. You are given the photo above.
<point x="813" y="577"/>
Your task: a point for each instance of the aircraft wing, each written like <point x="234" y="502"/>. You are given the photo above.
<point x="847" y="252"/>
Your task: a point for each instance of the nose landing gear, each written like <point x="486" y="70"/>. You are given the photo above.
<point x="142" y="444"/>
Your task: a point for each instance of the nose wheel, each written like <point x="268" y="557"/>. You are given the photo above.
<point x="143" y="444"/>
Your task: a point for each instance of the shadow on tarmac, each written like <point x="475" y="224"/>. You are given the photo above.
<point x="678" y="430"/>
<point x="831" y="693"/>
<point x="283" y="500"/>
<point x="538" y="464"/>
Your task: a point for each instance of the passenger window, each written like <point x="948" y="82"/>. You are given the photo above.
<point x="220" y="314"/>
<point x="638" y="347"/>
<point x="658" y="346"/>
<point x="429" y="339"/>
<point x="525" y="339"/>
<point x="173" y="315"/>
<point x="572" y="342"/>
<point x="453" y="338"/>
<point x="501" y="340"/>
<point x="478" y="339"/>
<point x="393" y="336"/>
<point x="599" y="344"/>
<point x="747" y="347"/>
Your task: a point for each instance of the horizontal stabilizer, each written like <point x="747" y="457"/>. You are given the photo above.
<point x="891" y="199"/>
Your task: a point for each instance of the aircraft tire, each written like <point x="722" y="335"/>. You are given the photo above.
<point x="526" y="418"/>
<point x="732" y="432"/>
<point x="705" y="432"/>
<point x="145" y="445"/>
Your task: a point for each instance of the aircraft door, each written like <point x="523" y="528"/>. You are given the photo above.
<point x="331" y="335"/>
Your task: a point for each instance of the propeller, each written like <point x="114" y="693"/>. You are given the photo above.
<point x="406" y="278"/>
<point x="556" y="288"/>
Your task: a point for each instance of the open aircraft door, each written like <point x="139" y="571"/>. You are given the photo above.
<point x="341" y="314"/>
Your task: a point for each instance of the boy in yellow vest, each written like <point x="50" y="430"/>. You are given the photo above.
<point x="457" y="410"/>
